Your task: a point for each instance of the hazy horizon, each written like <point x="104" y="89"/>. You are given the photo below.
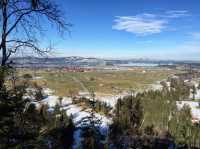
<point x="107" y="58"/>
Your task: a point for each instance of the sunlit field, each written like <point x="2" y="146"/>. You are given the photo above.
<point x="101" y="82"/>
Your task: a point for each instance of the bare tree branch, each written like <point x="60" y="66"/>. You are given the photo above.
<point x="27" y="44"/>
<point x="21" y="19"/>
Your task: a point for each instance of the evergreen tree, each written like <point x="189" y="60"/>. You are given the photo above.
<point x="194" y="91"/>
<point x="24" y="126"/>
<point x="20" y="123"/>
<point x="127" y="120"/>
<point x="92" y="137"/>
<point x="180" y="126"/>
<point x="60" y="130"/>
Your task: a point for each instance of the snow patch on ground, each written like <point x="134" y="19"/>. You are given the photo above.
<point x="37" y="78"/>
<point x="77" y="138"/>
<point x="195" y="107"/>
<point x="156" y="87"/>
<point x="48" y="91"/>
<point x="110" y="100"/>
<point x="196" y="96"/>
<point x="77" y="113"/>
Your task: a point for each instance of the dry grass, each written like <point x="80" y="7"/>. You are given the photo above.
<point x="106" y="82"/>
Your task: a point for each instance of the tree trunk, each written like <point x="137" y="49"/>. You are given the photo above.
<point x="3" y="42"/>
<point x="4" y="57"/>
<point x="4" y="36"/>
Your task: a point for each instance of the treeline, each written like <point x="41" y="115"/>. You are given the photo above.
<point x="152" y="120"/>
<point x="149" y="120"/>
<point x="23" y="125"/>
<point x="96" y="105"/>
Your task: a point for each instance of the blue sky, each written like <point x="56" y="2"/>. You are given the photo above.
<point x="158" y="29"/>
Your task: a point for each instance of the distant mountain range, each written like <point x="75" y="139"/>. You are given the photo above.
<point x="73" y="61"/>
<point x="76" y="61"/>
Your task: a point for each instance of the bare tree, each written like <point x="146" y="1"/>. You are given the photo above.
<point x="22" y="22"/>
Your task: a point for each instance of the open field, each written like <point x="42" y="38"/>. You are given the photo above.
<point x="102" y="82"/>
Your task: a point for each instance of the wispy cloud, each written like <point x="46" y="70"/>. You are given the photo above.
<point x="195" y="35"/>
<point x="139" y="25"/>
<point x="176" y="13"/>
<point x="147" y="23"/>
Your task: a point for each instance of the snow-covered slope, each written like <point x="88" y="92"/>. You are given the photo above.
<point x="77" y="113"/>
